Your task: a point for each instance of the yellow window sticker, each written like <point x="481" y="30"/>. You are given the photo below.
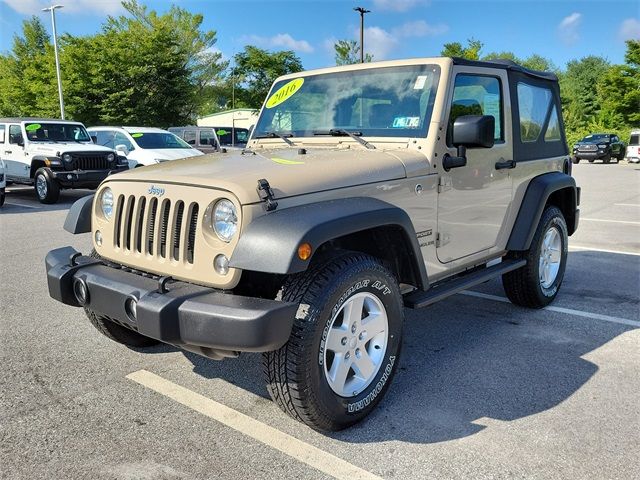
<point x="284" y="92"/>
<point x="284" y="161"/>
<point x="222" y="132"/>
<point x="136" y="135"/>
<point x="32" y="127"/>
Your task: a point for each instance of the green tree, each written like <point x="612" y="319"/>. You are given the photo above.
<point x="143" y="68"/>
<point x="255" y="71"/>
<point x="348" y="52"/>
<point x="455" y="49"/>
<point x="28" y="83"/>
<point x="580" y="99"/>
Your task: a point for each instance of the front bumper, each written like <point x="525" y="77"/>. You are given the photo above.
<point x="590" y="155"/>
<point x="193" y="317"/>
<point x="83" y="178"/>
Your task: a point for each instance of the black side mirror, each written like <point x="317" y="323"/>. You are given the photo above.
<point x="469" y="131"/>
<point x="20" y="140"/>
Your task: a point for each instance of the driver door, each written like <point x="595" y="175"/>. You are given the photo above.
<point x="474" y="200"/>
<point x="16" y="162"/>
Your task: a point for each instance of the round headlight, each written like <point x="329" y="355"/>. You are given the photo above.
<point x="225" y="220"/>
<point x="67" y="157"/>
<point x="106" y="203"/>
<point x="111" y="157"/>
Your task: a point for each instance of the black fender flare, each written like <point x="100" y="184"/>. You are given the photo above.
<point x="270" y="243"/>
<point x="535" y="199"/>
<point x="38" y="162"/>
<point x="79" y="217"/>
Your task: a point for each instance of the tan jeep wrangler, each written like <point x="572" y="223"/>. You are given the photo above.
<point x="363" y="190"/>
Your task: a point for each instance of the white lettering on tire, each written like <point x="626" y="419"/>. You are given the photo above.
<point x="360" y="404"/>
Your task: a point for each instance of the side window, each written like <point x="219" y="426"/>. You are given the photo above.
<point x="477" y="95"/>
<point x="190" y="137"/>
<point x="105" y="138"/>
<point x="2" y="133"/>
<point x="615" y="139"/>
<point x="553" y="130"/>
<point x="533" y="104"/>
<point x="205" y="138"/>
<point x="15" y="133"/>
<point x="121" y="139"/>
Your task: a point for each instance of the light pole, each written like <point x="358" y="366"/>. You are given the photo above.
<point x="52" y="9"/>
<point x="362" y="11"/>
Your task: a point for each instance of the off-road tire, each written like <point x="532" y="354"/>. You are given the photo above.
<point x="575" y="160"/>
<point x="523" y="286"/>
<point x="2" y="196"/>
<point x="295" y="373"/>
<point x="591" y="160"/>
<point x="606" y="158"/>
<point x="116" y="332"/>
<point x="52" y="193"/>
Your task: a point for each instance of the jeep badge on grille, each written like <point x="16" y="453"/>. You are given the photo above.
<point x="153" y="190"/>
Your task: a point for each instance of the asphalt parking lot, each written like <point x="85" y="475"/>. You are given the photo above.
<point x="484" y="389"/>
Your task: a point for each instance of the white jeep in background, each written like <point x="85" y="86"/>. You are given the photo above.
<point x="53" y="154"/>
<point x="143" y="145"/>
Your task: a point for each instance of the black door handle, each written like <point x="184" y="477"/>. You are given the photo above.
<point x="505" y="164"/>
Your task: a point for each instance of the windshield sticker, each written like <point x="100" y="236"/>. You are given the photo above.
<point x="222" y="132"/>
<point x="284" y="161"/>
<point x="420" y="81"/>
<point x="285" y="92"/>
<point x="32" y="127"/>
<point x="406" y="122"/>
<point x="136" y="135"/>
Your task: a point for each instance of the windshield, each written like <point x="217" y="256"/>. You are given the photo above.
<point x="56" y="132"/>
<point x="383" y="102"/>
<point x="634" y="140"/>
<point x="595" y="138"/>
<point x="158" y="140"/>
<point x="232" y="136"/>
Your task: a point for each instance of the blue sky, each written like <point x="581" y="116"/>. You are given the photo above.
<point x="557" y="29"/>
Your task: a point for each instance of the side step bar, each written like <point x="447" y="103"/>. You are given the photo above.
<point x="419" y="298"/>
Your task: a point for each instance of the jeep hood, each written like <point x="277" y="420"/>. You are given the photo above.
<point x="288" y="172"/>
<point x="66" y="147"/>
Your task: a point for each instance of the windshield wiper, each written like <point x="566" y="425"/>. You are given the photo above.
<point x="340" y="132"/>
<point x="283" y="136"/>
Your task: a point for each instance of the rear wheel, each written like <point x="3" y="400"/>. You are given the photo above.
<point x="537" y="283"/>
<point x="344" y="345"/>
<point x="47" y="189"/>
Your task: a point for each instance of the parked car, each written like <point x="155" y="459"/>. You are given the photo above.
<point x="633" y="149"/>
<point x="53" y="154"/>
<point x="598" y="146"/>
<point x="232" y="136"/>
<point x="3" y="183"/>
<point x="202" y="138"/>
<point x="143" y="145"/>
<point x="347" y="205"/>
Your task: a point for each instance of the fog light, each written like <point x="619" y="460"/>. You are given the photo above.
<point x="81" y="291"/>
<point x="221" y="264"/>
<point x="98" y="238"/>
<point x="131" y="308"/>
<point x="69" y="176"/>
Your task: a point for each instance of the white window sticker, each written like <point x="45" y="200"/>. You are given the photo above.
<point x="406" y="122"/>
<point x="420" y="81"/>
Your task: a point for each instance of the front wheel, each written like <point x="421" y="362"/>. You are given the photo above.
<point x="537" y="283"/>
<point x="606" y="158"/>
<point x="47" y="189"/>
<point x="345" y="342"/>
<point x="2" y="196"/>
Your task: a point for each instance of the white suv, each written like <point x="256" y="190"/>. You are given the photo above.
<point x="143" y="145"/>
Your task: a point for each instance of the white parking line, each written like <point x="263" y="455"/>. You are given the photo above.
<point x="627" y="204"/>
<point x="569" y="311"/>
<point x="24" y="206"/>
<point x="580" y="248"/>
<point x="625" y="222"/>
<point x="301" y="451"/>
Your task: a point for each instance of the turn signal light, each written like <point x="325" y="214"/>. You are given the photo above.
<point x="304" y="251"/>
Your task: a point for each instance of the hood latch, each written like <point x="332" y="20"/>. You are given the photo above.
<point x="266" y="195"/>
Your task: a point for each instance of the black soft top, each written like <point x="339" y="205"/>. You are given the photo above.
<point x="506" y="65"/>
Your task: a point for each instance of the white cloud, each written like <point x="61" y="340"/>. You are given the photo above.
<point x="420" y="28"/>
<point x="281" y="40"/>
<point x="568" y="28"/>
<point x="34" y="7"/>
<point x="630" y="29"/>
<point x="396" y="5"/>
<point x="379" y="43"/>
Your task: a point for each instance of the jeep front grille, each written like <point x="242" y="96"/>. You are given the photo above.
<point x="90" y="161"/>
<point x="159" y="228"/>
<point x="587" y="148"/>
